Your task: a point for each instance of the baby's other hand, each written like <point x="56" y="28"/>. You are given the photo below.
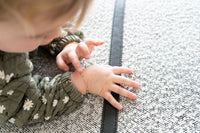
<point x="102" y="80"/>
<point x="74" y="52"/>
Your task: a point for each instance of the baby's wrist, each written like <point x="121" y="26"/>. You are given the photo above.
<point x="78" y="82"/>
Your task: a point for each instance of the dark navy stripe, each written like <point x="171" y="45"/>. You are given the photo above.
<point x="110" y="114"/>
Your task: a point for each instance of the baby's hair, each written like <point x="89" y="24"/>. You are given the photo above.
<point x="27" y="11"/>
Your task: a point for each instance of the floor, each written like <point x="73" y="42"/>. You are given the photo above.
<point x="162" y="46"/>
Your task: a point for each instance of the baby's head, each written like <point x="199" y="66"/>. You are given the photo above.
<point x="26" y="24"/>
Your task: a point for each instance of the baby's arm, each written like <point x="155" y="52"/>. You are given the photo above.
<point x="25" y="99"/>
<point x="70" y="48"/>
<point x="101" y="80"/>
<point x="57" y="45"/>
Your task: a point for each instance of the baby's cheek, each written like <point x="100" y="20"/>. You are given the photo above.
<point x="53" y="34"/>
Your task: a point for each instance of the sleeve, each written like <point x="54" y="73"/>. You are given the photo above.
<point x="27" y="99"/>
<point x="59" y="43"/>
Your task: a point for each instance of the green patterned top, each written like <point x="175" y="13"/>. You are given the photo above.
<point x="27" y="99"/>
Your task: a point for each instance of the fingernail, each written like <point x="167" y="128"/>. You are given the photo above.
<point x="133" y="96"/>
<point x="120" y="107"/>
<point x="87" y="56"/>
<point x="79" y="70"/>
<point x="137" y="85"/>
<point x="101" y="42"/>
<point x="65" y="69"/>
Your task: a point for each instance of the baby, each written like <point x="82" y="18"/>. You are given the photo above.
<point x="27" y="98"/>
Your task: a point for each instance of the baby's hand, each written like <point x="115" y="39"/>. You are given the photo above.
<point x="102" y="80"/>
<point x="73" y="52"/>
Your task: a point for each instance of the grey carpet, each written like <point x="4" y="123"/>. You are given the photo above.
<point x="162" y="46"/>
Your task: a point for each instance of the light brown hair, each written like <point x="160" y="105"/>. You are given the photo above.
<point x="26" y="11"/>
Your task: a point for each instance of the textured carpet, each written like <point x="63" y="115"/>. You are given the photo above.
<point x="162" y="46"/>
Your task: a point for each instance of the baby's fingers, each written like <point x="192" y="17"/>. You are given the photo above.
<point x="125" y="81"/>
<point x="75" y="61"/>
<point x="83" y="50"/>
<point x="121" y="91"/>
<point x="112" y="100"/>
<point x="61" y="63"/>
<point x="119" y="70"/>
<point x="89" y="42"/>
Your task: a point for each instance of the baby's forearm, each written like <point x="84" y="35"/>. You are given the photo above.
<point x="78" y="82"/>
